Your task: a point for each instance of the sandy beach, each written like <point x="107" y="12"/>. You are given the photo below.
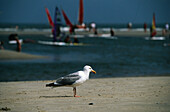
<point x="13" y="55"/>
<point x="140" y="94"/>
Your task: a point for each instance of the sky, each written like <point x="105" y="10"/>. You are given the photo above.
<point x="99" y="11"/>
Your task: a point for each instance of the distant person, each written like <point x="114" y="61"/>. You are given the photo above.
<point x="166" y="27"/>
<point x="151" y="31"/>
<point x="16" y="27"/>
<point x="1" y="45"/>
<point x="129" y="25"/>
<point x="95" y="32"/>
<point x="76" y="40"/>
<point x="93" y="26"/>
<point x="90" y="27"/>
<point x="163" y="32"/>
<point x="18" y="45"/>
<point x="67" y="39"/>
<point x="145" y="27"/>
<point x="72" y="29"/>
<point x="13" y="36"/>
<point x="56" y="33"/>
<point x="112" y="32"/>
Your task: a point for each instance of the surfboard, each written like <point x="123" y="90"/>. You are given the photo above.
<point x="155" y="38"/>
<point x="106" y="36"/>
<point x="14" y="41"/>
<point x="60" y="43"/>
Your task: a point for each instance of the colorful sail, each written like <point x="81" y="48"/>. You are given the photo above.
<point x="57" y="24"/>
<point x="66" y="19"/>
<point x="153" y="26"/>
<point x="81" y="12"/>
<point x="49" y="17"/>
<point x="153" y="22"/>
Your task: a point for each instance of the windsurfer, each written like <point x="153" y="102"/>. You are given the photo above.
<point x="145" y="27"/>
<point x="18" y="45"/>
<point x="1" y="45"/>
<point x="67" y="39"/>
<point x="76" y="40"/>
<point x="129" y="25"/>
<point x="112" y="32"/>
<point x="166" y="27"/>
<point x="95" y="31"/>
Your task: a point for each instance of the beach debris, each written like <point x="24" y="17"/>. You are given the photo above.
<point x="5" y="109"/>
<point x="90" y="103"/>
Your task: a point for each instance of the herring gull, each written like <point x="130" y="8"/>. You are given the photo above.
<point x="73" y="79"/>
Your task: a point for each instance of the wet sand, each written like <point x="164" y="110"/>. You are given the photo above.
<point x="13" y="55"/>
<point x="140" y="94"/>
<point x="118" y="33"/>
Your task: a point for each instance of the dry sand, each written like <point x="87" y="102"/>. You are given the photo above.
<point x="13" y="55"/>
<point x="141" y="94"/>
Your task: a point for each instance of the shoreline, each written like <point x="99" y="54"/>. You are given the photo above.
<point x="97" y="95"/>
<point x="127" y="33"/>
<point x="150" y="76"/>
<point x="13" y="55"/>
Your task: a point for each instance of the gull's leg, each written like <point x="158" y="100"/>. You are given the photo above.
<point x="74" y="90"/>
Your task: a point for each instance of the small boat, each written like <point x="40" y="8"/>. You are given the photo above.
<point x="153" y="33"/>
<point x="56" y="30"/>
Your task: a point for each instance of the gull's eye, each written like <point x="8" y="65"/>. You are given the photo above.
<point x="89" y="68"/>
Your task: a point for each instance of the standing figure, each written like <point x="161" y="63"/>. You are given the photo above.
<point x="18" y="45"/>
<point x="145" y="27"/>
<point x="112" y="32"/>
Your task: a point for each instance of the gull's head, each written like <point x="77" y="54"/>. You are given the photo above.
<point x="89" y="69"/>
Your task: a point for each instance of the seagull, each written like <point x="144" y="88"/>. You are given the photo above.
<point x="73" y="80"/>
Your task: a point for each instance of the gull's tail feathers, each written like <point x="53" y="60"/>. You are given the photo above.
<point x="53" y="85"/>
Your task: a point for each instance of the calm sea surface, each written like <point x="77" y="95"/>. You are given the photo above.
<point x="124" y="57"/>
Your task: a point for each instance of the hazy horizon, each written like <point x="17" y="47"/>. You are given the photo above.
<point x="99" y="11"/>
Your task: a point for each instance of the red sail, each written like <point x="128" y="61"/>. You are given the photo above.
<point x="49" y="17"/>
<point x="81" y="11"/>
<point x="66" y="19"/>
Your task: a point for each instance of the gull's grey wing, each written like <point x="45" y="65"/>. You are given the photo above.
<point x="69" y="79"/>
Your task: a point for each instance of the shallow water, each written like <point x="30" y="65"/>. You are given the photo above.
<point x="123" y="57"/>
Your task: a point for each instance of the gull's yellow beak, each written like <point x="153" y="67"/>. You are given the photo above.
<point x="93" y="71"/>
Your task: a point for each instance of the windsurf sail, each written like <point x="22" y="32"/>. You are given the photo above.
<point x="66" y="19"/>
<point x="153" y="26"/>
<point x="57" y="24"/>
<point x="81" y="12"/>
<point x="68" y="22"/>
<point x="80" y="18"/>
<point x="49" y="17"/>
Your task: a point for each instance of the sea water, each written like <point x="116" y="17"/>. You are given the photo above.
<point x="122" y="57"/>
